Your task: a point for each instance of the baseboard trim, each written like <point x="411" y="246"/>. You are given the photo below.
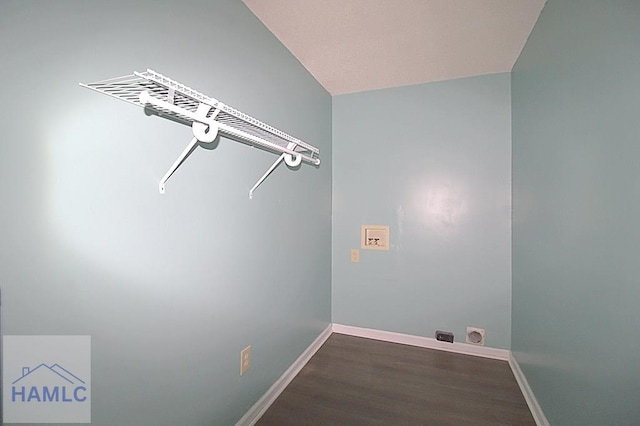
<point x="259" y="408"/>
<point x="423" y="342"/>
<point x="529" y="396"/>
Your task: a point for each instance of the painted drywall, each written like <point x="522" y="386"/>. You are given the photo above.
<point x="576" y="200"/>
<point x="432" y="162"/>
<point x="170" y="287"/>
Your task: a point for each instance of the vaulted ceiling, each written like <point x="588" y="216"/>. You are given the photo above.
<point x="357" y="45"/>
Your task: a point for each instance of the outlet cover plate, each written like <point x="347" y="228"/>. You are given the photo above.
<point x="245" y="360"/>
<point x="475" y="336"/>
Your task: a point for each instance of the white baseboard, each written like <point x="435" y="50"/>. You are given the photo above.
<point x="423" y="342"/>
<point x="259" y="408"/>
<point x="532" y="402"/>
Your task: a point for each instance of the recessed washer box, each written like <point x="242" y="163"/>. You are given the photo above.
<point x="374" y="237"/>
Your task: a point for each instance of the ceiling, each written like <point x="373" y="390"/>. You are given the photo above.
<point x="357" y="45"/>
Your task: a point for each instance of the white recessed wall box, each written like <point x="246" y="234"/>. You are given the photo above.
<point x="206" y="116"/>
<point x="475" y="335"/>
<point x="374" y="237"/>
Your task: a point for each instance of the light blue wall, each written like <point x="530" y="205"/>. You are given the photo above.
<point x="433" y="163"/>
<point x="576" y="199"/>
<point x="170" y="287"/>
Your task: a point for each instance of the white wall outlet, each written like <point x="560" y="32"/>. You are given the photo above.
<point x="475" y="336"/>
<point x="355" y="256"/>
<point x="374" y="237"/>
<point x="245" y="360"/>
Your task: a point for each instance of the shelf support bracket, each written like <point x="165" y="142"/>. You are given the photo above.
<point x="204" y="131"/>
<point x="176" y="164"/>
<point x="291" y="160"/>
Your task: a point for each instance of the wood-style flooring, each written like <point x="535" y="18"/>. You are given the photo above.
<point x="355" y="381"/>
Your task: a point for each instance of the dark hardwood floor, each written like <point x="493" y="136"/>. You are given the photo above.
<point x="356" y="381"/>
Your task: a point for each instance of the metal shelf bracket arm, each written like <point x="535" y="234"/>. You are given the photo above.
<point x="291" y="160"/>
<point x="204" y="129"/>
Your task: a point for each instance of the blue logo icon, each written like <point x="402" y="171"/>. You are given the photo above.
<point x="62" y="385"/>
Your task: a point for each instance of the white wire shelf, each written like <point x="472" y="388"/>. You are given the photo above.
<point x="207" y="117"/>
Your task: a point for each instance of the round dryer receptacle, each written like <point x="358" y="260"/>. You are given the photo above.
<point x="475" y="336"/>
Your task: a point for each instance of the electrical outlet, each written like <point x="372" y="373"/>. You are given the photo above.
<point x="245" y="360"/>
<point x="475" y="336"/>
<point x="444" y="336"/>
<point x="355" y="256"/>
